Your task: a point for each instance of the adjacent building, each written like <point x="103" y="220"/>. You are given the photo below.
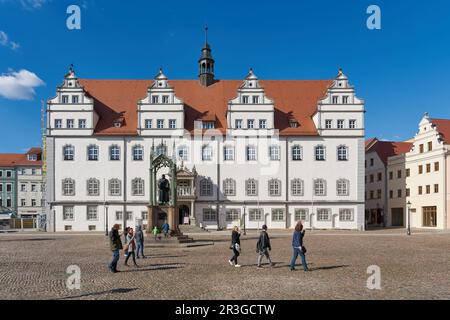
<point x="418" y="177"/>
<point x="21" y="183"/>
<point x="249" y="152"/>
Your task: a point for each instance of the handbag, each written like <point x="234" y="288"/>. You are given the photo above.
<point x="304" y="249"/>
<point x="125" y="247"/>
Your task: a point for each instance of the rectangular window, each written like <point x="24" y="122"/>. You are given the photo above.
<point x="340" y="124"/>
<point x="92" y="228"/>
<point x="255" y="215"/>
<point x="335" y="100"/>
<point x="233" y="214"/>
<point x="399" y="174"/>
<point x="148" y="123"/>
<point x="58" y="123"/>
<point x="277" y="215"/>
<point x="209" y="214"/>
<point x="380" y="176"/>
<point x="129" y="215"/>
<point x="262" y="124"/>
<point x="250" y="124"/>
<point x="67" y="228"/>
<point x="391" y="175"/>
<point x="408" y="172"/>
<point x="68" y="213"/>
<point x="165" y="99"/>
<point x="274" y="153"/>
<point x="408" y="192"/>
<point x="251" y="153"/>
<point x="207" y="153"/>
<point x="301" y="215"/>
<point x="160" y="124"/>
<point x="346" y="215"/>
<point x="379" y="193"/>
<point x="23" y="187"/>
<point x="428" y="167"/>
<point x="8" y="187"/>
<point x="70" y="124"/>
<point x="92" y="213"/>
<point x="430" y="146"/>
<point x="74" y="99"/>
<point x="144" y="215"/>
<point x="352" y="124"/>
<point x="228" y="153"/>
<point x="33" y="188"/>
<point x="328" y="124"/>
<point x="420" y="169"/>
<point x="323" y="214"/>
<point x="82" y="124"/>
<point x="155" y="99"/>
<point x="436" y="166"/>
<point x="420" y="190"/>
<point x="239" y="124"/>
<point x="208" y="124"/>
<point x="65" y="99"/>
<point x="255" y="99"/>
<point x="421" y="148"/>
<point x="391" y="194"/>
<point x="172" y="124"/>
<point x="23" y="203"/>
<point x="428" y="189"/>
<point x="119" y="215"/>
<point x="399" y="193"/>
<point x="436" y="188"/>
<point x="8" y="174"/>
<point x="371" y="194"/>
<point x="245" y="99"/>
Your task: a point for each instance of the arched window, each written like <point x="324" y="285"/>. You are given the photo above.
<point x="297" y="187"/>
<point x="206" y="187"/>
<point x="114" y="153"/>
<point x="342" y="152"/>
<point x="320" y="153"/>
<point x="297" y="153"/>
<point x="138" y="153"/>
<point x="137" y="187"/>
<point x="68" y="187"/>
<point x="69" y="153"/>
<point x="343" y="187"/>
<point x="274" y="188"/>
<point x="93" y="187"/>
<point x="229" y="187"/>
<point x="207" y="153"/>
<point x="320" y="187"/>
<point x="161" y="149"/>
<point x="183" y="152"/>
<point x="251" y="187"/>
<point x="92" y="152"/>
<point x="115" y="187"/>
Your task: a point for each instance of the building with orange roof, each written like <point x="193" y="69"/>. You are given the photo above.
<point x="248" y="152"/>
<point x="21" y="183"/>
<point x="407" y="183"/>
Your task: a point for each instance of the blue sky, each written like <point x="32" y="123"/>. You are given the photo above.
<point x="401" y="70"/>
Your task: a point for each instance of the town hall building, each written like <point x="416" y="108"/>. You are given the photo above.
<point x="247" y="152"/>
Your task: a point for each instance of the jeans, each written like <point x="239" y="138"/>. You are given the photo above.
<point x="140" y="248"/>
<point x="263" y="253"/>
<point x="130" y="254"/>
<point x="115" y="259"/>
<point x="298" y="252"/>
<point x="235" y="256"/>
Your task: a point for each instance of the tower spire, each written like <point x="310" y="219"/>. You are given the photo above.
<point x="206" y="63"/>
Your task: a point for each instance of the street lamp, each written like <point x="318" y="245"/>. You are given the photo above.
<point x="106" y="219"/>
<point x="408" y="205"/>
<point x="245" y="207"/>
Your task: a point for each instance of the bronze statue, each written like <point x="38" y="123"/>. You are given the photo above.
<point x="164" y="190"/>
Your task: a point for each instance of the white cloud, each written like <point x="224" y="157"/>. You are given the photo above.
<point x="19" y="85"/>
<point x="4" y="41"/>
<point x="32" y="4"/>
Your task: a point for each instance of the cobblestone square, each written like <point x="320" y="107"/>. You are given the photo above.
<point x="33" y="266"/>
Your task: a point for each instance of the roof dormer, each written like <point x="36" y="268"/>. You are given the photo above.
<point x="161" y="80"/>
<point x="251" y="81"/>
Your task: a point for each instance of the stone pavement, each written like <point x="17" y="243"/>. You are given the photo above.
<point x="33" y="266"/>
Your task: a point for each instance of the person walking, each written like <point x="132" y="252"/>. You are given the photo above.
<point x="131" y="244"/>
<point x="155" y="232"/>
<point x="140" y="242"/>
<point x="298" y="248"/>
<point x="165" y="228"/>
<point x="235" y="246"/>
<point x="263" y="247"/>
<point x="124" y="234"/>
<point x="115" y="245"/>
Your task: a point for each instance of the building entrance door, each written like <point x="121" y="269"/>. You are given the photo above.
<point x="183" y="214"/>
<point x="397" y="217"/>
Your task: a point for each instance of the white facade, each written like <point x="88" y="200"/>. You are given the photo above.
<point x="30" y="200"/>
<point x="250" y="175"/>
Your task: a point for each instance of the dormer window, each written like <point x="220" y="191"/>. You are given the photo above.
<point x="245" y="99"/>
<point x="255" y="99"/>
<point x="75" y="99"/>
<point x="208" y="125"/>
<point x="165" y="99"/>
<point x="118" y="123"/>
<point x="293" y="123"/>
<point x="335" y="99"/>
<point x="32" y="157"/>
<point x="65" y="99"/>
<point x="344" y="99"/>
<point x="155" y="99"/>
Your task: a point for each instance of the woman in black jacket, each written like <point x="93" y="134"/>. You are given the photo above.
<point x="235" y="246"/>
<point x="263" y="247"/>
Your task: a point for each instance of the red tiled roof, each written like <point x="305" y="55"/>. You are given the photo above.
<point x="17" y="159"/>
<point x="443" y="127"/>
<point x="386" y="149"/>
<point x="292" y="98"/>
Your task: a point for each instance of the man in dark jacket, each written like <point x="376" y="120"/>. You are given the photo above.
<point x="263" y="247"/>
<point x="115" y="245"/>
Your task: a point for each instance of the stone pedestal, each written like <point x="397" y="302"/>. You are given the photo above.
<point x="171" y="218"/>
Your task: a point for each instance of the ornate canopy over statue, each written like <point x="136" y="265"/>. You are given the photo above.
<point x="166" y="189"/>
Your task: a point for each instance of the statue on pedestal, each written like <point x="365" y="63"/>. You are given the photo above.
<point x="164" y="190"/>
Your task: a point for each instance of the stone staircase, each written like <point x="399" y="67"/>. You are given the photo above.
<point x="191" y="229"/>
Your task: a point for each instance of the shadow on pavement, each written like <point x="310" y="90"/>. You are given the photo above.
<point x="118" y="290"/>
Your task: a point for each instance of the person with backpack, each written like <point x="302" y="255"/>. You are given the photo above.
<point x="263" y="247"/>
